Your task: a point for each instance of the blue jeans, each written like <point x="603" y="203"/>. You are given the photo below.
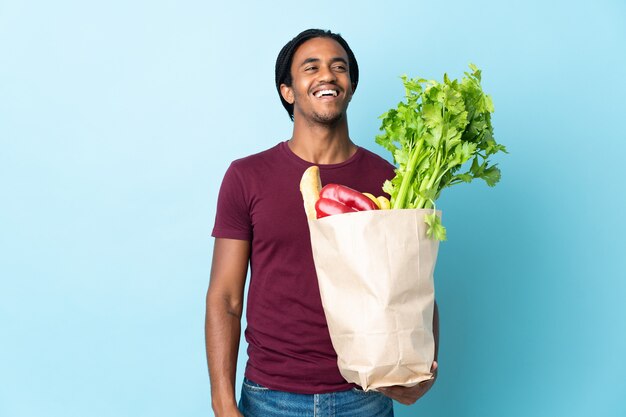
<point x="258" y="401"/>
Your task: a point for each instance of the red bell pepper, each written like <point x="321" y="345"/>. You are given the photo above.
<point x="348" y="196"/>
<point x="327" y="207"/>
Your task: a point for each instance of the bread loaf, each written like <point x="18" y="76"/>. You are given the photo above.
<point x="310" y="186"/>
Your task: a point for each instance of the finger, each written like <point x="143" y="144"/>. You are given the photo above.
<point x="428" y="383"/>
<point x="389" y="393"/>
<point x="404" y="397"/>
<point x="393" y="392"/>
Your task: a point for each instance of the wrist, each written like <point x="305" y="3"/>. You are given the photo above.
<point x="224" y="408"/>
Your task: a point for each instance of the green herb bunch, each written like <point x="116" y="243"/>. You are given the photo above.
<point x="440" y="128"/>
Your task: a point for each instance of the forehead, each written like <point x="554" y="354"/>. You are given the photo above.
<point x="319" y="48"/>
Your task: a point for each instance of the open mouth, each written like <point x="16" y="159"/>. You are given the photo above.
<point x="326" y="93"/>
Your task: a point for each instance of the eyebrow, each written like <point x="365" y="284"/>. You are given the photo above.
<point x="335" y="59"/>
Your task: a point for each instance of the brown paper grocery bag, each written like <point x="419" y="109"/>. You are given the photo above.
<point x="375" y="272"/>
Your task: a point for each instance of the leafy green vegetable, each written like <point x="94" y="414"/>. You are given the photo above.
<point x="433" y="136"/>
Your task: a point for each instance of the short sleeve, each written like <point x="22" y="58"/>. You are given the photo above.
<point x="232" y="217"/>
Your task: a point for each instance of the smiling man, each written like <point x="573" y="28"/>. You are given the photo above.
<point x="318" y="86"/>
<point x="260" y="221"/>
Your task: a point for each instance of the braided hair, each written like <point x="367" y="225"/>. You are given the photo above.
<point x="285" y="58"/>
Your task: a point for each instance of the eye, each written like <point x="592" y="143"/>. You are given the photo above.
<point x="312" y="68"/>
<point x="340" y="68"/>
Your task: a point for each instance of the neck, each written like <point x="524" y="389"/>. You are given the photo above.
<point x="322" y="144"/>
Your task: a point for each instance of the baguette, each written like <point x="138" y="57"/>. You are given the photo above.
<point x="310" y="186"/>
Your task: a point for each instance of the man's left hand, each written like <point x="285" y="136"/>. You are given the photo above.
<point x="409" y="395"/>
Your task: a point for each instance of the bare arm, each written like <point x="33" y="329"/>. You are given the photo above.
<point x="224" y="306"/>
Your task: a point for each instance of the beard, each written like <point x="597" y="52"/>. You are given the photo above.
<point x="326" y="117"/>
<point x="329" y="118"/>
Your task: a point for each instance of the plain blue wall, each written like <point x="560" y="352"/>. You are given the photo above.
<point x="118" y="119"/>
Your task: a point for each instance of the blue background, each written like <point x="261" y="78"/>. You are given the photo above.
<point x="119" y="118"/>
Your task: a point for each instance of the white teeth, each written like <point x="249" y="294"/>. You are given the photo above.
<point x="326" y="92"/>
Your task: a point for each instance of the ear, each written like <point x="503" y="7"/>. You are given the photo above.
<point x="287" y="93"/>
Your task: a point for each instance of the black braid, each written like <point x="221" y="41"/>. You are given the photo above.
<point x="285" y="58"/>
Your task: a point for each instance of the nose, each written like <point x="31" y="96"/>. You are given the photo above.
<point x="327" y="74"/>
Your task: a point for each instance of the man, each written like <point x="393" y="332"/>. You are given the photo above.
<point x="292" y="367"/>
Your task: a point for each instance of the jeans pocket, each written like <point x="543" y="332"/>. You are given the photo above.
<point x="253" y="386"/>
<point x="357" y="402"/>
